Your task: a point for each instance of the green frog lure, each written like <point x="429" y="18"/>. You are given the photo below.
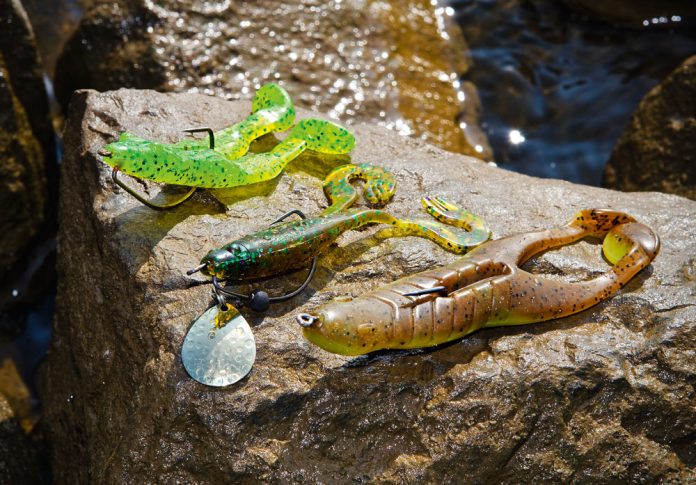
<point x="485" y="288"/>
<point x="219" y="347"/>
<point x="222" y="161"/>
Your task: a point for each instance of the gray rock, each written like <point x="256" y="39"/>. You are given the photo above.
<point x="605" y="396"/>
<point x="394" y="62"/>
<point x="657" y="151"/>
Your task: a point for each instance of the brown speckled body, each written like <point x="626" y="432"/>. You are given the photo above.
<point x="485" y="288"/>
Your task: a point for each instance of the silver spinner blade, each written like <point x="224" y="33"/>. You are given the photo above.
<point x="219" y="357"/>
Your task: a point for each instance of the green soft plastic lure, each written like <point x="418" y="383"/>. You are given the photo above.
<point x="291" y="245"/>
<point x="217" y="355"/>
<point x="222" y="161"/>
<point x="485" y="288"/>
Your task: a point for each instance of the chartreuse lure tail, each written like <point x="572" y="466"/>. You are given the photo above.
<point x="379" y="188"/>
<point x="192" y="163"/>
<point x="309" y="134"/>
<point x="272" y="111"/>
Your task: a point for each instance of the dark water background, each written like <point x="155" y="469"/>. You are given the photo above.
<point x="567" y="83"/>
<point x="557" y="90"/>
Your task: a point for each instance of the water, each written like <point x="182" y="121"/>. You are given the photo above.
<point x="557" y="90"/>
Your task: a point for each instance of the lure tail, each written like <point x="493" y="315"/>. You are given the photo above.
<point x="629" y="247"/>
<point x="475" y="230"/>
<point x="313" y="134"/>
<point x="323" y="136"/>
<point x="598" y="222"/>
<point x="272" y="111"/>
<point x="380" y="186"/>
<point x="271" y="97"/>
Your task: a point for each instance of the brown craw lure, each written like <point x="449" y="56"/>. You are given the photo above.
<point x="485" y="288"/>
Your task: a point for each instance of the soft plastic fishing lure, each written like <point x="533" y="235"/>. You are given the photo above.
<point x="486" y="288"/>
<point x="296" y="244"/>
<point x="219" y="347"/>
<point x="221" y="161"/>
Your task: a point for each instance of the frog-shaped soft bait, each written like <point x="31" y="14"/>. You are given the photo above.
<point x="485" y="288"/>
<point x="221" y="162"/>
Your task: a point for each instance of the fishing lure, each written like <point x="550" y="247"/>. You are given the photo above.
<point x="221" y="162"/>
<point x="219" y="348"/>
<point x="292" y="245"/>
<point x="486" y="288"/>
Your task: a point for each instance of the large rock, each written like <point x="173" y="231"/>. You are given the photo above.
<point x="22" y="176"/>
<point x="603" y="396"/>
<point x="394" y="62"/>
<point x="18" y="462"/>
<point x="657" y="151"/>
<point x="20" y="54"/>
<point x="27" y="148"/>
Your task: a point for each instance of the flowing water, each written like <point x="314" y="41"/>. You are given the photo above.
<point x="558" y="89"/>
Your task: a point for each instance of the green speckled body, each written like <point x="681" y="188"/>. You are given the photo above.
<point x="485" y="288"/>
<point x="292" y="245"/>
<point x="192" y="163"/>
<point x="287" y="246"/>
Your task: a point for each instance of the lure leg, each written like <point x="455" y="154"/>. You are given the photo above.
<point x="519" y="248"/>
<point x="313" y="134"/>
<point x="534" y="298"/>
<point x="272" y="110"/>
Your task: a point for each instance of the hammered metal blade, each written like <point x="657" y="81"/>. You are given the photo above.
<point x="218" y="357"/>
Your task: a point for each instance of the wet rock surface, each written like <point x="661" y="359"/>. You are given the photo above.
<point x="17" y="457"/>
<point x="21" y="58"/>
<point x="604" y="396"/>
<point x="22" y="179"/>
<point x="658" y="149"/>
<point x="397" y="63"/>
<point x="28" y="174"/>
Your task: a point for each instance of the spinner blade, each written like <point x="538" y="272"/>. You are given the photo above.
<point x="219" y="356"/>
